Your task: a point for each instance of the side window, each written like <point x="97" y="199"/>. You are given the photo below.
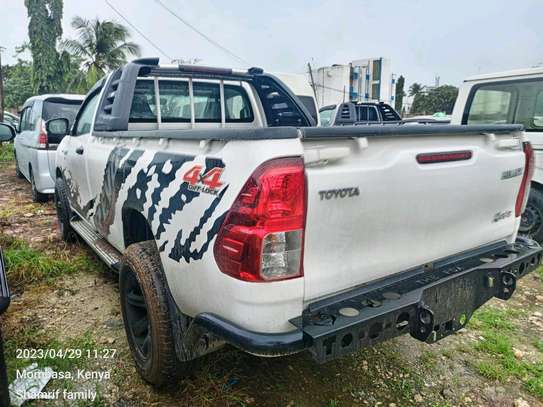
<point x="537" y="121"/>
<point x="26" y="119"/>
<point x="508" y="102"/>
<point x="492" y="105"/>
<point x="326" y="117"/>
<point x="144" y="102"/>
<point x="84" y="119"/>
<point x="22" y="124"/>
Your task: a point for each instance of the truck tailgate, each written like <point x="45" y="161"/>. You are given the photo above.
<point x="374" y="210"/>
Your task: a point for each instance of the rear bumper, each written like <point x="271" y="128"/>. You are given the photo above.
<point x="41" y="169"/>
<point x="429" y="302"/>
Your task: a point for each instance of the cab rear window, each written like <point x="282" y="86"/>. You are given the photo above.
<point x="175" y="102"/>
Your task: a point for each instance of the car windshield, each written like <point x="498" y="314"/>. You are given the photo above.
<point x="53" y="109"/>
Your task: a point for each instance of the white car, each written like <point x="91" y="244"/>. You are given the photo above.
<point x="232" y="218"/>
<point x="510" y="97"/>
<point x="34" y="148"/>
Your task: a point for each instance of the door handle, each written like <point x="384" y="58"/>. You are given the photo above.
<point x="79" y="150"/>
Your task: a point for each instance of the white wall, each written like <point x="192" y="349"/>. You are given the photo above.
<point x="334" y="84"/>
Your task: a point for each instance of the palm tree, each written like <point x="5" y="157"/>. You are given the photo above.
<point x="415" y="89"/>
<point x="101" y="45"/>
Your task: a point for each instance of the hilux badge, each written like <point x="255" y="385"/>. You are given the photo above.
<point x="512" y="173"/>
<point x="501" y="215"/>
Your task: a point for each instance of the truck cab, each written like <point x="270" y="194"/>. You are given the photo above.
<point x="511" y="97"/>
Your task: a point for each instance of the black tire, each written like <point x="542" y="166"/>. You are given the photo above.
<point x="17" y="169"/>
<point x="531" y="223"/>
<point x="36" y="195"/>
<point x="147" y="320"/>
<point x="64" y="212"/>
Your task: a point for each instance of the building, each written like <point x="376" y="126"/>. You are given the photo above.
<point x="361" y="80"/>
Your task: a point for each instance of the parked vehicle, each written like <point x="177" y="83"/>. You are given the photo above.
<point x="11" y="119"/>
<point x="34" y="148"/>
<point x="357" y="113"/>
<point x="232" y="218"/>
<point x="7" y="133"/>
<point x="510" y="97"/>
<point x="438" y="118"/>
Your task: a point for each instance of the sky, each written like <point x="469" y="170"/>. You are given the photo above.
<point x="423" y="38"/>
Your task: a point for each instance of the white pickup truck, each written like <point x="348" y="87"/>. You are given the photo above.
<point x="510" y="97"/>
<point x="232" y="219"/>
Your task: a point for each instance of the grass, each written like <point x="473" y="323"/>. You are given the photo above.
<point x="14" y="208"/>
<point x="6" y="152"/>
<point x="25" y="264"/>
<point x="492" y="318"/>
<point x="497" y="330"/>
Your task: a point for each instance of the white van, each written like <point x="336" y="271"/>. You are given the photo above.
<point x="510" y="97"/>
<point x="34" y="148"/>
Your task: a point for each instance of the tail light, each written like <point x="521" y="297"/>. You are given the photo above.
<point x="42" y="137"/>
<point x="529" y="168"/>
<point x="261" y="238"/>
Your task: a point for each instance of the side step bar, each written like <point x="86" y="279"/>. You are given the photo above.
<point x="101" y="247"/>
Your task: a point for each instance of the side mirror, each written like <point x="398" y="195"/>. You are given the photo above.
<point x="7" y="133"/>
<point x="57" y="127"/>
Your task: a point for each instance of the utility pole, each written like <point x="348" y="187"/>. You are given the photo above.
<point x="1" y="87"/>
<point x="312" y="80"/>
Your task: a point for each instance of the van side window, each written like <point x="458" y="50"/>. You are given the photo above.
<point x="508" y="102"/>
<point x="26" y="120"/>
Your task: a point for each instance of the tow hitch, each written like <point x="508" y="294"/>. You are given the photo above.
<point x="430" y="303"/>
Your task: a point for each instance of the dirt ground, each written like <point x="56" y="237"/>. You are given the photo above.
<point x="496" y="361"/>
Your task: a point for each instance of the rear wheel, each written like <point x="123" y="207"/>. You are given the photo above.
<point x="64" y="212"/>
<point x="36" y="195"/>
<point x="147" y="320"/>
<point x="531" y="223"/>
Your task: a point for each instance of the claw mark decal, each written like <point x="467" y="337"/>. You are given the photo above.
<point x="136" y="180"/>
<point x="182" y="250"/>
<point x="114" y="177"/>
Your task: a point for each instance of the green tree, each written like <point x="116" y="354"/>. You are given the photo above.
<point x="44" y="31"/>
<point x="415" y="89"/>
<point x="419" y="105"/>
<point x="442" y="99"/>
<point x="439" y="99"/>
<point x="398" y="99"/>
<point x="17" y="84"/>
<point x="101" y="45"/>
